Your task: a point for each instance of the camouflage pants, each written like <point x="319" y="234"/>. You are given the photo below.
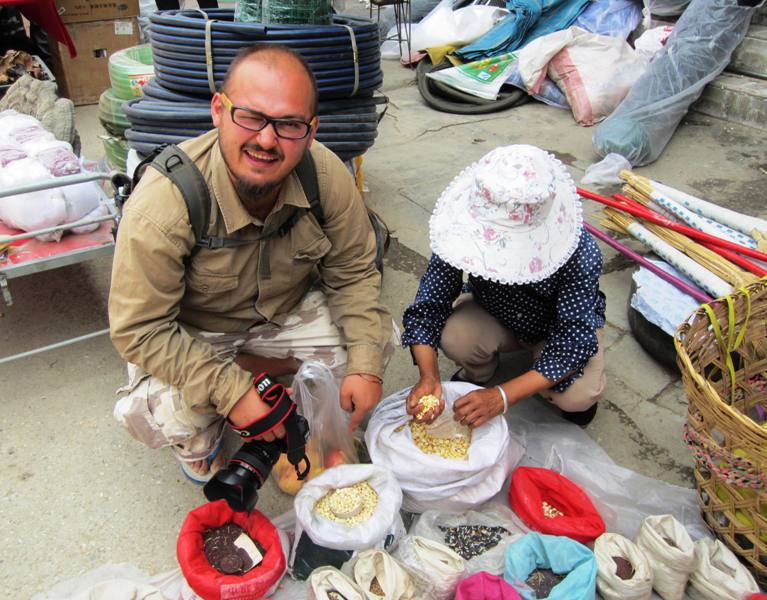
<point x="155" y="413"/>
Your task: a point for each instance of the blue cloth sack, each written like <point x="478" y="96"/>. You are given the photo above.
<point x="616" y="18"/>
<point x="561" y="555"/>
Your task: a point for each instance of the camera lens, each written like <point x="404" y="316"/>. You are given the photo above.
<point x="238" y="483"/>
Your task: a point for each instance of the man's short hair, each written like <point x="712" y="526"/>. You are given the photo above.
<point x="279" y="49"/>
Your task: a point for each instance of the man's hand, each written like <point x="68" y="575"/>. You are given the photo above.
<point x="478" y="407"/>
<point x="427" y="384"/>
<point x="359" y="395"/>
<point x="250" y="408"/>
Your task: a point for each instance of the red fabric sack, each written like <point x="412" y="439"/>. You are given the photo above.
<point x="532" y="486"/>
<point x="210" y="583"/>
<point x="485" y="586"/>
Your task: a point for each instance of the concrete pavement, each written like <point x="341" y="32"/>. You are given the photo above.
<point x="77" y="492"/>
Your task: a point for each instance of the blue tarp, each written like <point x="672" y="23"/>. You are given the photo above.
<point x="527" y="20"/>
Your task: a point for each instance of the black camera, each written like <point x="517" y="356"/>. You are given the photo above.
<point x="246" y="472"/>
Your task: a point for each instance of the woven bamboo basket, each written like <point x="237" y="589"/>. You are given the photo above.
<point x="722" y="354"/>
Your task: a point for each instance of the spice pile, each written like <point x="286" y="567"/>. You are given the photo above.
<point x="551" y="512"/>
<point x="623" y="567"/>
<point x="451" y="448"/>
<point x="230" y="550"/>
<point x="472" y="540"/>
<point x="543" y="581"/>
<point x="349" y="506"/>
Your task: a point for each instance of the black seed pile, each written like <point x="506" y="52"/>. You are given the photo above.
<point x="543" y="581"/>
<point x="221" y="552"/>
<point x="472" y="540"/>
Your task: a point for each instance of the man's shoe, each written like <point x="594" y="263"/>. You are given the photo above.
<point x="581" y="417"/>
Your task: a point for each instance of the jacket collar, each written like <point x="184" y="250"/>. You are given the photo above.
<point x="232" y="210"/>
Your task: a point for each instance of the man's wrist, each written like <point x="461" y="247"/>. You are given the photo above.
<point x="368" y="377"/>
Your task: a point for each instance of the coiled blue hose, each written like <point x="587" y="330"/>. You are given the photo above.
<point x="180" y="60"/>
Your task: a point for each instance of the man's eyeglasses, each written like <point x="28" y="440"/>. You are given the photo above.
<point x="289" y="129"/>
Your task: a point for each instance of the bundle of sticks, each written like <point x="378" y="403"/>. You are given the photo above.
<point x="718" y="249"/>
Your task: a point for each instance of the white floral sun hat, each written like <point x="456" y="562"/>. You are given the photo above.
<point x="513" y="217"/>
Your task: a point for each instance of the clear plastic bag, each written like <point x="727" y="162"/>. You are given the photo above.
<point x="435" y="568"/>
<point x="316" y="393"/>
<point x="606" y="170"/>
<point x="616" y="18"/>
<point x="697" y="51"/>
<point x="56" y="156"/>
<point x="493" y="514"/>
<point x="9" y="153"/>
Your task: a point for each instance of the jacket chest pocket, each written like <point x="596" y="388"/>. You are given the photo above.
<point x="208" y="289"/>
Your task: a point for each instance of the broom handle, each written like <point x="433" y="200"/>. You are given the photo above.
<point x="737" y="259"/>
<point x="624" y="204"/>
<point x="623" y="249"/>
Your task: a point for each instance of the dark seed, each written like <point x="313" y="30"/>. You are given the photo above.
<point x="543" y="581"/>
<point x="623" y="567"/>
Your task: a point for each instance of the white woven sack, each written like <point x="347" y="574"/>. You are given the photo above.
<point x="394" y="580"/>
<point x="338" y="536"/>
<point x="671" y="565"/>
<point x="719" y="574"/>
<point x="612" y="587"/>
<point x="436" y="570"/>
<point x="492" y="514"/>
<point x="429" y="481"/>
<point x="329" y="579"/>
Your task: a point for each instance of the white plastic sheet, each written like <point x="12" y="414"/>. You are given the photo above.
<point x="444" y="26"/>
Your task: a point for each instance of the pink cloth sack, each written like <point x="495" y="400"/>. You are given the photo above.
<point x="485" y="586"/>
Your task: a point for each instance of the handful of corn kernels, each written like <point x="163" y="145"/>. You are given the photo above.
<point x="425" y="404"/>
<point x="551" y="512"/>
<point x="349" y="506"/>
<point x="451" y="448"/>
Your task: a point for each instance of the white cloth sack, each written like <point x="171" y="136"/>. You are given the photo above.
<point x="492" y="514"/>
<point x="671" y="565"/>
<point x="372" y="533"/>
<point x="429" y="481"/>
<point x="594" y="71"/>
<point x="31" y="210"/>
<point x="719" y="574"/>
<point x="612" y="587"/>
<point x="436" y="570"/>
<point x="394" y="580"/>
<point x="329" y="579"/>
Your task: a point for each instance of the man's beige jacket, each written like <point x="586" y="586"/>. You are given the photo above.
<point x="156" y="300"/>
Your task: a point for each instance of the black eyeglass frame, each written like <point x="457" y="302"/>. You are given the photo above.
<point x="274" y="122"/>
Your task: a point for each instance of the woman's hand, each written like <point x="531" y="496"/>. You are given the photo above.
<point x="427" y="385"/>
<point x="478" y="407"/>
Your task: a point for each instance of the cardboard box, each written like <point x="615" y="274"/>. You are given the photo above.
<point x="85" y="77"/>
<point x="81" y="11"/>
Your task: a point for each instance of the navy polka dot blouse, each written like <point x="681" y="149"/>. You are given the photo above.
<point x="566" y="310"/>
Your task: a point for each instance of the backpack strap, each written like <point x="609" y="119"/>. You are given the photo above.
<point x="307" y="175"/>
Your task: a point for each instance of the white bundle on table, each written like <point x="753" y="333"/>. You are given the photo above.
<point x="30" y="154"/>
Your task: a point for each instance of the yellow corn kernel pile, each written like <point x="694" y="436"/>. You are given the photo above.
<point x="425" y="404"/>
<point x="454" y="449"/>
<point x="551" y="512"/>
<point x="349" y="506"/>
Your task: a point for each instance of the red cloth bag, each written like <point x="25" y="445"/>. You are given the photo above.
<point x="532" y="486"/>
<point x="210" y="583"/>
<point x="485" y="586"/>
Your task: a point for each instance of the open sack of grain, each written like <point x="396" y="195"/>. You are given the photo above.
<point x="467" y="469"/>
<point x="346" y="509"/>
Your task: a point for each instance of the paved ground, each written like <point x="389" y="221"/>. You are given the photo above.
<point x="77" y="492"/>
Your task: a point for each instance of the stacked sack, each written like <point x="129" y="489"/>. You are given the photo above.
<point x="31" y="154"/>
<point x="452" y="480"/>
<point x="130" y="70"/>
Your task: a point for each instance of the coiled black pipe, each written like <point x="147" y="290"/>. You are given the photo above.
<point x="178" y="44"/>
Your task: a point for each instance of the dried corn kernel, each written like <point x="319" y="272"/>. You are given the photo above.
<point x="425" y="404"/>
<point x="551" y="512"/>
<point x="453" y="449"/>
<point x="349" y="506"/>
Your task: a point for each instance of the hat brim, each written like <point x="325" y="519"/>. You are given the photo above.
<point x="502" y="254"/>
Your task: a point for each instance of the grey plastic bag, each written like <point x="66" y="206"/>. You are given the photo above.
<point x="696" y="52"/>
